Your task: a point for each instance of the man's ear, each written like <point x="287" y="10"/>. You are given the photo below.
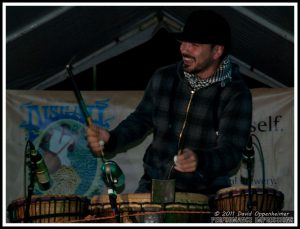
<point x="218" y="51"/>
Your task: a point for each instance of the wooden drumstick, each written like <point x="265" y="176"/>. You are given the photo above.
<point x="82" y="105"/>
<point x="181" y="135"/>
<point x="79" y="97"/>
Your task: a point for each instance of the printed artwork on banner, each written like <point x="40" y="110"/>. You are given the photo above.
<point x="61" y="140"/>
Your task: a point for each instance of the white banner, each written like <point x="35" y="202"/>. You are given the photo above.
<point x="52" y="120"/>
<point x="273" y="125"/>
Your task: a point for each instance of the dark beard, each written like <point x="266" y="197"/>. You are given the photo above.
<point x="195" y="71"/>
<point x="198" y="69"/>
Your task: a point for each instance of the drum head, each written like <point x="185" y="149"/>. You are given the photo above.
<point x="234" y="189"/>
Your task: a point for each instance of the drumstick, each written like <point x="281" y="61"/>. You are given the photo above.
<point x="79" y="97"/>
<point x="109" y="166"/>
<point x="82" y="105"/>
<point x="181" y="135"/>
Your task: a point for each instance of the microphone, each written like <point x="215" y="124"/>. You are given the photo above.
<point x="41" y="170"/>
<point x="114" y="179"/>
<point x="113" y="175"/>
<point x="247" y="165"/>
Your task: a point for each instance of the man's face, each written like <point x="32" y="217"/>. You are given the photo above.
<point x="197" y="58"/>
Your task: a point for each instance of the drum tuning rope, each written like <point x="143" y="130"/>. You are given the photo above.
<point x="128" y="216"/>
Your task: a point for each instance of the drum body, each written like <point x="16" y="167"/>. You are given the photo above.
<point x="49" y="209"/>
<point x="236" y="199"/>
<point x="138" y="208"/>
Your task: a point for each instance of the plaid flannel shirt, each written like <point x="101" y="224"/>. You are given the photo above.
<point x="217" y="128"/>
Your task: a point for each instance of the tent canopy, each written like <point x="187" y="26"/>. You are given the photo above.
<point x="41" y="40"/>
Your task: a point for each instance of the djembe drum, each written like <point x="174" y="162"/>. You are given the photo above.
<point x="138" y="208"/>
<point x="49" y="209"/>
<point x="236" y="199"/>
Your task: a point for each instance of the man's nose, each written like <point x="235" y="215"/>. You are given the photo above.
<point x="185" y="46"/>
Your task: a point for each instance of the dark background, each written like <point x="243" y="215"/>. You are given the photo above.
<point x="128" y="72"/>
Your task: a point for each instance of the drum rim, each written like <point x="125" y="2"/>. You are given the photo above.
<point x="44" y="198"/>
<point x="236" y="191"/>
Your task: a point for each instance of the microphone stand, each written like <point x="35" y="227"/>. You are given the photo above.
<point x="113" y="203"/>
<point x="112" y="192"/>
<point x="32" y="168"/>
<point x="262" y="160"/>
<point x="248" y="159"/>
<point x="250" y="201"/>
<point x="250" y="165"/>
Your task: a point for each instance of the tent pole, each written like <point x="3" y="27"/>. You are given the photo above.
<point x="94" y="78"/>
